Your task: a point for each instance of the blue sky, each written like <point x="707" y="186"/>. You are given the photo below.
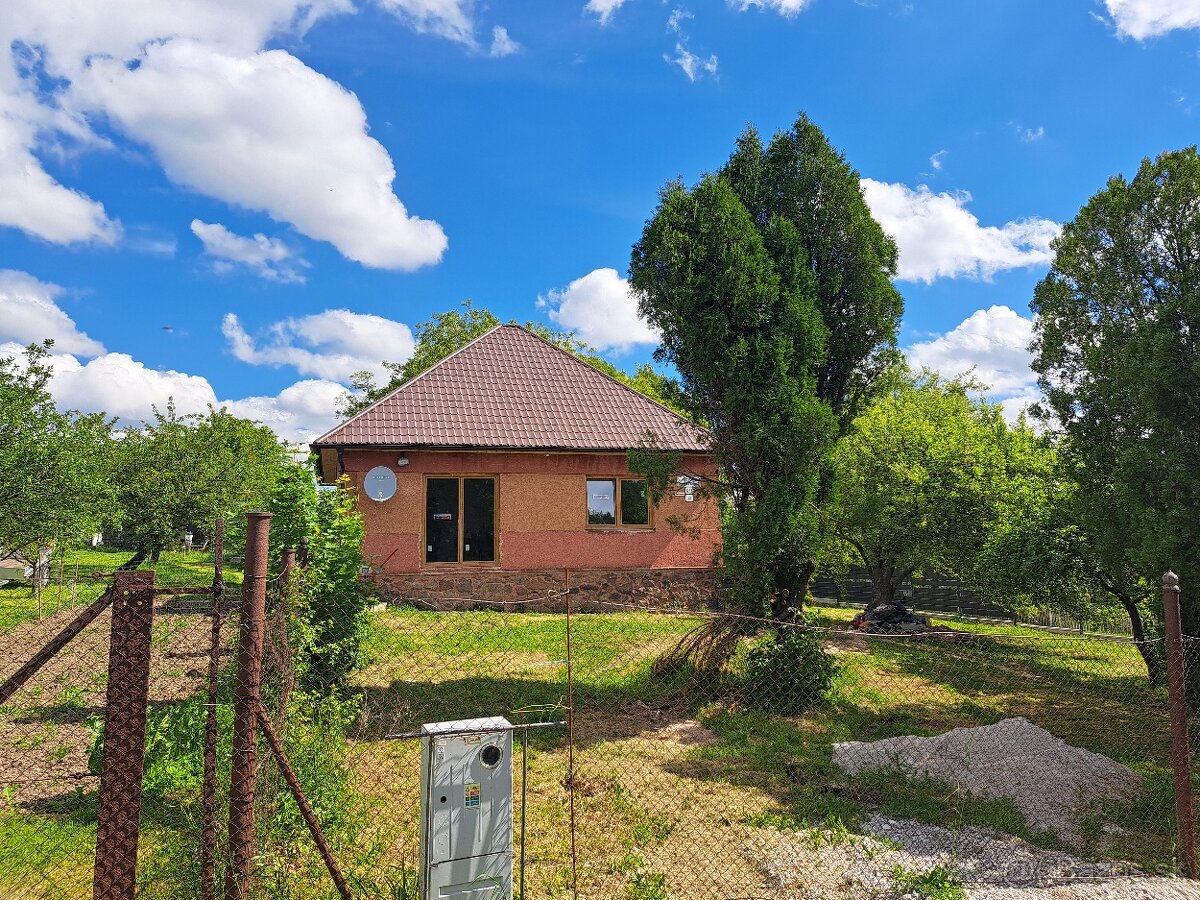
<point x="222" y="201"/>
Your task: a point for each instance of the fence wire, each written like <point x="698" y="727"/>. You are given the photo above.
<point x="651" y="751"/>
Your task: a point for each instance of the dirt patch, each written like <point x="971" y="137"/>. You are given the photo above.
<point x="45" y="735"/>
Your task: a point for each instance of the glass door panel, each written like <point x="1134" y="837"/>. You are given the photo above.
<point x="441" y="520"/>
<point x="479" y="520"/>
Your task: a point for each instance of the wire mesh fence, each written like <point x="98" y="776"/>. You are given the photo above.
<point x="642" y="750"/>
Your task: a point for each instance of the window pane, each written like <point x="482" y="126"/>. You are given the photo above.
<point x="441" y="520"/>
<point x="602" y="501"/>
<point x="634" y="509"/>
<point x="479" y="520"/>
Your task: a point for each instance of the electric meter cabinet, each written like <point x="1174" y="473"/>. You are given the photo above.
<point x="467" y="810"/>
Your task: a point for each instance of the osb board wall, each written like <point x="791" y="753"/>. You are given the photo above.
<point x="541" y="513"/>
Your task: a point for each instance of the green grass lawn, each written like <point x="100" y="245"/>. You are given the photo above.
<point x="651" y="807"/>
<point x="674" y="781"/>
<point x="72" y="584"/>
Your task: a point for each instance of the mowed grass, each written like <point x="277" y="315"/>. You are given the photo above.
<point x="72" y="584"/>
<point x="663" y="805"/>
<point x="681" y="787"/>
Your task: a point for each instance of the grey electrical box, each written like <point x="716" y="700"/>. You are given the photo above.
<point x="467" y="810"/>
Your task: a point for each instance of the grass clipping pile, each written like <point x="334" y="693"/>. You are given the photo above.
<point x="1052" y="783"/>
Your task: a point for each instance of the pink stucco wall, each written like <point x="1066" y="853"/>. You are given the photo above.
<point x="541" y="513"/>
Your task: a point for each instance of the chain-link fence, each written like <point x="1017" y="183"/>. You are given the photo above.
<point x="563" y="747"/>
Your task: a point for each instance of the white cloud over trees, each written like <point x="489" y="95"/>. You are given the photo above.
<point x="601" y="309"/>
<point x="940" y="238"/>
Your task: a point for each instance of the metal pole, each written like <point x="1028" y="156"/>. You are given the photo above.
<point x="310" y="818"/>
<point x="571" y="741"/>
<point x="208" y="790"/>
<point x="115" y="873"/>
<point x="246" y="699"/>
<point x="524" y="795"/>
<point x="1185" y="825"/>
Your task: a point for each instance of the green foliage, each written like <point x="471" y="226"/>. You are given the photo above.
<point x="1116" y="320"/>
<point x="790" y="672"/>
<point x="770" y="284"/>
<point x="329" y="614"/>
<point x="446" y="332"/>
<point x="57" y="486"/>
<point x="293" y="507"/>
<point x="920" y="477"/>
<point x="939" y="883"/>
<point x="187" y="471"/>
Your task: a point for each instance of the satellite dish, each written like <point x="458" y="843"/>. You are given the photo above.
<point x="380" y="484"/>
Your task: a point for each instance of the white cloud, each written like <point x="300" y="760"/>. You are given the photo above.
<point x="601" y="308"/>
<point x="502" y="44"/>
<point x="266" y="132"/>
<point x="119" y="385"/>
<point x="332" y="345"/>
<point x="693" y="66"/>
<point x="940" y="238"/>
<point x="30" y="199"/>
<point x="451" y="19"/>
<point x="29" y="314"/>
<point x="993" y="343"/>
<point x="938" y="160"/>
<point x="1141" y="19"/>
<point x="1030" y="135"/>
<point x="122" y="387"/>
<point x="786" y="8"/>
<point x="269" y="258"/>
<point x="603" y="9"/>
<point x="257" y="129"/>
<point x="678" y="16"/>
<point x="298" y="413"/>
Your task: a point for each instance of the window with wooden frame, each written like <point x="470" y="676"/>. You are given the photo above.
<point x="460" y="519"/>
<point x="617" y="503"/>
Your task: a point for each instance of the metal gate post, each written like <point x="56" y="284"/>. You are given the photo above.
<point x="243" y="770"/>
<point x="115" y="873"/>
<point x="1185" y="824"/>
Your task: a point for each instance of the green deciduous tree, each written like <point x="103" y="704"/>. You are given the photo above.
<point x="54" y="466"/>
<point x="770" y="282"/>
<point x="919" y="479"/>
<point x="1040" y="555"/>
<point x="446" y="332"/>
<point x="1118" y="319"/>
<point x="184" y="471"/>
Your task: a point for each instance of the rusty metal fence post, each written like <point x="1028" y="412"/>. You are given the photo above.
<point x="115" y="874"/>
<point x="1181" y="758"/>
<point x="246" y="702"/>
<point x="208" y="833"/>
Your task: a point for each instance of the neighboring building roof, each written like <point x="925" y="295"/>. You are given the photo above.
<point x="510" y="389"/>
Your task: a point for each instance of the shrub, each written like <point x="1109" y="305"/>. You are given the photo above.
<point x="789" y="673"/>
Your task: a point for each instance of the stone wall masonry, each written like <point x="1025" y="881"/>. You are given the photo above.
<point x="593" y="590"/>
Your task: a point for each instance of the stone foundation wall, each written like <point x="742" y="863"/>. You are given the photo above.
<point x="542" y="590"/>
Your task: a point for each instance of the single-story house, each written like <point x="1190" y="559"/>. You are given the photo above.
<point x="500" y="473"/>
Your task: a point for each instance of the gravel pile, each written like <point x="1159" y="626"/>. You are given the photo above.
<point x="827" y="865"/>
<point x="1052" y="783"/>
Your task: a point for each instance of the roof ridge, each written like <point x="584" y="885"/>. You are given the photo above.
<point x="400" y="387"/>
<point x="615" y="381"/>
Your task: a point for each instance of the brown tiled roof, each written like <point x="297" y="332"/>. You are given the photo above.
<point x="509" y="389"/>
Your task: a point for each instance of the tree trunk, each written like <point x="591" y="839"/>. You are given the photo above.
<point x="791" y="582"/>
<point x="881" y="579"/>
<point x="137" y="559"/>
<point x="1152" y="654"/>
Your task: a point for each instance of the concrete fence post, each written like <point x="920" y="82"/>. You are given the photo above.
<point x="120" y="816"/>
<point x="1181" y="758"/>
<point x="243" y="769"/>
